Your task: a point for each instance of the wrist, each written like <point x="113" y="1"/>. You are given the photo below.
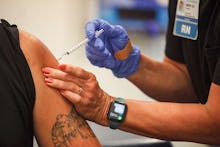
<point x="102" y="112"/>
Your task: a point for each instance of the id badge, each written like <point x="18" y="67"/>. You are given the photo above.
<point x="186" y="21"/>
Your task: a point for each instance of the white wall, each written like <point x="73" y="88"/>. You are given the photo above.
<point x="58" y="23"/>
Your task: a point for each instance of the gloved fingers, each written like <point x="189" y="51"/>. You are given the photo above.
<point x="96" y="49"/>
<point x="117" y="35"/>
<point x="107" y="62"/>
<point x="96" y="45"/>
<point x="95" y="60"/>
<point x="97" y="63"/>
<point x="119" y="43"/>
<point x="119" y="38"/>
<point x="110" y="64"/>
<point x="98" y="24"/>
<point x="91" y="27"/>
<point x="92" y="56"/>
<point x="115" y="31"/>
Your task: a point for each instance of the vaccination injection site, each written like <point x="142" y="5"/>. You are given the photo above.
<point x="110" y="73"/>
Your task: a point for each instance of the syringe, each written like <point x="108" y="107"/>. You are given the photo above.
<point x="74" y="48"/>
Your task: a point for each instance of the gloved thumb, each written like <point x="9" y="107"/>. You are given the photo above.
<point x="117" y="36"/>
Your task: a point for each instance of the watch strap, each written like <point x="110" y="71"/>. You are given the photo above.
<point x="114" y="125"/>
<point x="121" y="100"/>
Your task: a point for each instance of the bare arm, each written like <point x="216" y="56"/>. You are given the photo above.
<point x="175" y="121"/>
<point x="163" y="120"/>
<point x="172" y="121"/>
<point x="56" y="122"/>
<point x="164" y="81"/>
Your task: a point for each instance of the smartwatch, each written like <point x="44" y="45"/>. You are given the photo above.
<point x="117" y="112"/>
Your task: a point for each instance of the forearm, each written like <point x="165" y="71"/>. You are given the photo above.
<point x="163" y="81"/>
<point x="171" y="121"/>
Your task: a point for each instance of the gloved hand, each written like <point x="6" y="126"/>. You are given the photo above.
<point x="101" y="51"/>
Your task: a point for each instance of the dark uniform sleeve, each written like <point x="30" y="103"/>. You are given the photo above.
<point x="212" y="45"/>
<point x="173" y="49"/>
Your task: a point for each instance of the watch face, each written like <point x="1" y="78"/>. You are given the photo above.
<point x="117" y="111"/>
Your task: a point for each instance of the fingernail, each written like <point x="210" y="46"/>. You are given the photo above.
<point x="48" y="80"/>
<point x="62" y="66"/>
<point x="45" y="70"/>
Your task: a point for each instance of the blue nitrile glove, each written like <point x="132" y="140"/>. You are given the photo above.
<point x="100" y="51"/>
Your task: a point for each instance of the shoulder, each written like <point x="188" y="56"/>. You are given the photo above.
<point x="35" y="50"/>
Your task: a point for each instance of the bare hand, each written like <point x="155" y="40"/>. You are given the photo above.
<point x="82" y="89"/>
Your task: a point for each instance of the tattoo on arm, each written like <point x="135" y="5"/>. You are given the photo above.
<point x="70" y="126"/>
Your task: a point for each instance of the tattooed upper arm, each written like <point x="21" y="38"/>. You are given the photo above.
<point x="56" y="123"/>
<point x="68" y="127"/>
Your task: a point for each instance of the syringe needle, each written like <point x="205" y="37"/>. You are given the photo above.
<point x="74" y="48"/>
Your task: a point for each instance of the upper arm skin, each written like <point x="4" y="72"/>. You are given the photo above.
<point x="56" y="122"/>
